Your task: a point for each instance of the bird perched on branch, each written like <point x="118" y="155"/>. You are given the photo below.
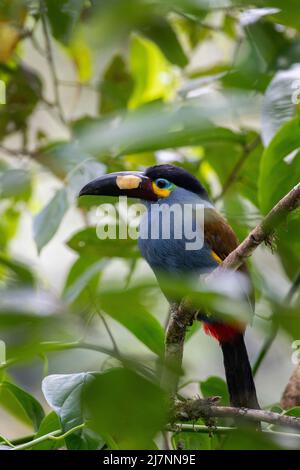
<point x="170" y="185"/>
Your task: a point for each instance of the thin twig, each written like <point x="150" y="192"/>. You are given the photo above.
<point x="56" y="435"/>
<point x="265" y="349"/>
<point x="234" y="174"/>
<point x="50" y="59"/>
<point x="202" y="429"/>
<point x="106" y="326"/>
<point x="17" y="152"/>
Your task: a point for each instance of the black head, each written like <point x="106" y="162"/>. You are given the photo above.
<point x="177" y="176"/>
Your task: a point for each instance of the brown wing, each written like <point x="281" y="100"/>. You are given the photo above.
<point x="222" y="240"/>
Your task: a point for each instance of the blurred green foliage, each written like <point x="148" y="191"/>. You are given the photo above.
<point x="213" y="88"/>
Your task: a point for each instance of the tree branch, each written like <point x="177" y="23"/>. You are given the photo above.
<point x="262" y="231"/>
<point x="192" y="410"/>
<point x="183" y="315"/>
<point x="51" y="61"/>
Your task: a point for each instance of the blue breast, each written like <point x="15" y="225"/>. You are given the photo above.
<point x="171" y="255"/>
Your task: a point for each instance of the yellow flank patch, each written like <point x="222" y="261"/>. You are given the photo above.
<point x="216" y="257"/>
<point x="161" y="192"/>
<point x="128" y="181"/>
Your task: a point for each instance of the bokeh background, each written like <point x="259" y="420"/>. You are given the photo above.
<point x="94" y="87"/>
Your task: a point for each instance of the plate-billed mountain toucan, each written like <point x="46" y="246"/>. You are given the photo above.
<point x="173" y="185"/>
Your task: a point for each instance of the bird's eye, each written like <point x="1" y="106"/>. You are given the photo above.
<point x="162" y="183"/>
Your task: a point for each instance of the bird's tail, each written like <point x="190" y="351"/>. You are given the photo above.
<point x="238" y="373"/>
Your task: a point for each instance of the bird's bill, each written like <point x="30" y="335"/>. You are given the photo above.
<point x="123" y="183"/>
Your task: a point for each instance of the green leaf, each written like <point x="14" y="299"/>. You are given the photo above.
<point x="154" y="127"/>
<point x="23" y="92"/>
<point x="49" y="424"/>
<point x="29" y="404"/>
<point x="127" y="308"/>
<point x="215" y="387"/>
<point x="116" y="86"/>
<point x="241" y="216"/>
<point x="280" y="101"/>
<point x="87" y="242"/>
<point x="248" y="439"/>
<point x="126" y="409"/>
<point x="62" y="158"/>
<point x="153" y="77"/>
<point x="20" y="270"/>
<point x="64" y="394"/>
<point x="293" y="412"/>
<point x="63" y="15"/>
<point x="161" y="32"/>
<point x="235" y="155"/>
<point x="87" y="440"/>
<point x="15" y="183"/>
<point x="46" y="223"/>
<point x="192" y="441"/>
<point x="81" y="55"/>
<point x="257" y="55"/>
<point x="279" y="173"/>
<point x="82" y="281"/>
<point x="9" y="219"/>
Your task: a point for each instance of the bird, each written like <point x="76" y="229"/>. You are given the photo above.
<point x="173" y="185"/>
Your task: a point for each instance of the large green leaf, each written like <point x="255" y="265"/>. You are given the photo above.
<point x="115" y="87"/>
<point x="126" y="409"/>
<point x="280" y="165"/>
<point x="161" y="32"/>
<point x="230" y="157"/>
<point x="46" y="223"/>
<point x="87" y="242"/>
<point x="28" y="403"/>
<point x="153" y="77"/>
<point x="64" y="393"/>
<point x="279" y="173"/>
<point x="63" y="15"/>
<point x="155" y="127"/>
<point x="257" y="55"/>
<point x="127" y="307"/>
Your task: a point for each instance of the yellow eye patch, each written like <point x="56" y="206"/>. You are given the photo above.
<point x="161" y="192"/>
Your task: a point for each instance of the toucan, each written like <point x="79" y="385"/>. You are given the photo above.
<point x="171" y="185"/>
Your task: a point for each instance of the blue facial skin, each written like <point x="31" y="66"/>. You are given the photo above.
<point x="170" y="256"/>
